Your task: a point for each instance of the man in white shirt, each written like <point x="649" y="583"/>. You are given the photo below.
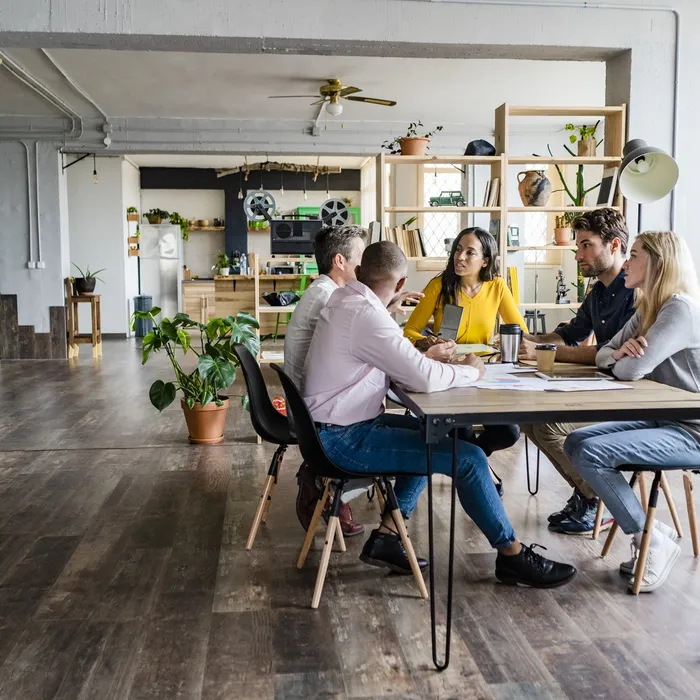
<point x="356" y="350"/>
<point x="338" y="251"/>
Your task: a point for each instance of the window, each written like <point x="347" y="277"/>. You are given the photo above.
<point x="441" y="225"/>
<point x="535" y="233"/>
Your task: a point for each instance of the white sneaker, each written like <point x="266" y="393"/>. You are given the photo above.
<point x="661" y="559"/>
<point x="627" y="567"/>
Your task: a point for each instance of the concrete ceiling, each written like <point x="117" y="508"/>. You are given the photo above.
<point x="236" y="86"/>
<point x="184" y="160"/>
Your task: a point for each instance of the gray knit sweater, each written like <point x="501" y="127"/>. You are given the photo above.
<point x="673" y="355"/>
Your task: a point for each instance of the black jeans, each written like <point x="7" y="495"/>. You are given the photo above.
<point x="493" y="437"/>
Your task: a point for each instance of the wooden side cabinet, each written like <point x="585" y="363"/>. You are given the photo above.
<point x="198" y="300"/>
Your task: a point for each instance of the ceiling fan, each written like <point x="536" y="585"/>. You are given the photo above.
<point x="331" y="94"/>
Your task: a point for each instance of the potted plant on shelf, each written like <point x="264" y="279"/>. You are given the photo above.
<point x="411" y="144"/>
<point x="85" y="284"/>
<point x="156" y="216"/>
<point x="132" y="214"/>
<point x="204" y="406"/>
<point x="562" y="231"/>
<point x="223" y="264"/>
<point x="586" y="139"/>
<point x="184" y="225"/>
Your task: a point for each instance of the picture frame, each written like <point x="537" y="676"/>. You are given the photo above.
<point x="513" y="236"/>
<point x="608" y="187"/>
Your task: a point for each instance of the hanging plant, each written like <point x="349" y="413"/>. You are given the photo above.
<point x="184" y="225"/>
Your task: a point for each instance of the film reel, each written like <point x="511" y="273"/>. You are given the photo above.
<point x="259" y="206"/>
<point x="334" y="212"/>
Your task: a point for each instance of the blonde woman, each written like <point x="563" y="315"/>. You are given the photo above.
<point x="660" y="342"/>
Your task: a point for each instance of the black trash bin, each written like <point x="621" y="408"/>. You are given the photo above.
<point x="143" y="325"/>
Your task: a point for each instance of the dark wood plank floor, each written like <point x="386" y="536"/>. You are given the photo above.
<point x="123" y="572"/>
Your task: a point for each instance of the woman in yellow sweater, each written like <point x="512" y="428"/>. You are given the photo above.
<point x="470" y="281"/>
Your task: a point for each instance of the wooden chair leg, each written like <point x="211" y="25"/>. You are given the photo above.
<point x="381" y="502"/>
<point x="274" y="471"/>
<point x="610" y="539"/>
<point x="671" y="505"/>
<point x="259" y="512"/>
<point x="313" y="526"/>
<point x="268" y="501"/>
<point x="333" y="523"/>
<point x="640" y="569"/>
<point x="598" y="519"/>
<point x="688" y="485"/>
<point x="643" y="492"/>
<point x="340" y="539"/>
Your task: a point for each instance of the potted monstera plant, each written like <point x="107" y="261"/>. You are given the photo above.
<point x="202" y="402"/>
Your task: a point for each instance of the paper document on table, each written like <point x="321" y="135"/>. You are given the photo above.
<point x="476" y="348"/>
<point x="527" y="382"/>
<point x="499" y="369"/>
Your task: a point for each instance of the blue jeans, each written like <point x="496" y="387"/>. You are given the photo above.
<point x="598" y="451"/>
<point x="392" y="444"/>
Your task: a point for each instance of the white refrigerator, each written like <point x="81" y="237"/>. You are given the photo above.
<point x="161" y="260"/>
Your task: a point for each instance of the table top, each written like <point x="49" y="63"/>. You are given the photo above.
<point x="646" y="400"/>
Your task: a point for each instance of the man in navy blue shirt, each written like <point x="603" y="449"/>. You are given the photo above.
<point x="601" y="240"/>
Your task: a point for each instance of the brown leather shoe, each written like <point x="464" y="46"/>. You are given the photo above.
<point x="349" y="527"/>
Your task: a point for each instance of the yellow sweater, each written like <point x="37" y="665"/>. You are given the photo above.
<point x="480" y="312"/>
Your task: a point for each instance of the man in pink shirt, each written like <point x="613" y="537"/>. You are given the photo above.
<point x="356" y="350"/>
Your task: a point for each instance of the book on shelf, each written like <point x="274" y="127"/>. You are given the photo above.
<point x="487" y="193"/>
<point x="409" y="240"/>
<point x="493" y="192"/>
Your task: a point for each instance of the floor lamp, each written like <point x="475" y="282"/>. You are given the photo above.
<point x="646" y="174"/>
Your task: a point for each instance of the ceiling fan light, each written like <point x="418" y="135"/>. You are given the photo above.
<point x="334" y="109"/>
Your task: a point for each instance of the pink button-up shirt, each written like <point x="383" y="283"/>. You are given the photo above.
<point x="357" y="348"/>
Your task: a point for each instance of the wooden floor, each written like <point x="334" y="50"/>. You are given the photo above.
<point x="123" y="572"/>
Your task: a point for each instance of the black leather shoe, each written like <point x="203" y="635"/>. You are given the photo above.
<point x="498" y="483"/>
<point x="531" y="569"/>
<point x="384" y="549"/>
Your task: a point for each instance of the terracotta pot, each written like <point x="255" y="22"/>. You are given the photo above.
<point x="562" y="236"/>
<point x="586" y="148"/>
<point x="534" y="188"/>
<point x="206" y="425"/>
<point x="153" y="220"/>
<point x="414" y="145"/>
<point x="84" y="287"/>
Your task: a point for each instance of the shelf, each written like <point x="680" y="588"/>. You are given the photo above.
<point x="207" y="228"/>
<point x="277" y="309"/>
<point x="540" y="247"/>
<point x="571" y="160"/>
<point x="443" y="160"/>
<point x="438" y="210"/>
<point x="564" y="111"/>
<point x="540" y="307"/>
<point x="294" y="276"/>
<point x="232" y="278"/>
<point x="560" y="210"/>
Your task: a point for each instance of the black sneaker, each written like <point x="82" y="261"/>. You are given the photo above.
<point x="581" y="521"/>
<point x="571" y="505"/>
<point x="384" y="549"/>
<point x="498" y="483"/>
<point x="531" y="569"/>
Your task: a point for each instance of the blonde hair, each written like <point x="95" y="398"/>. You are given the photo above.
<point x="669" y="271"/>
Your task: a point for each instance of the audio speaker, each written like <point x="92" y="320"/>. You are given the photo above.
<point x="293" y="237"/>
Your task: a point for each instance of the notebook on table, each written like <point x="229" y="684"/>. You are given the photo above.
<point x="577" y="375"/>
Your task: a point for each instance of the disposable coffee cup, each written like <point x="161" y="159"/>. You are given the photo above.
<point x="546" y="354"/>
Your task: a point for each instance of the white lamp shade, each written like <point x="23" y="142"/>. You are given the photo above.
<point x="334" y="109"/>
<point x="646" y="174"/>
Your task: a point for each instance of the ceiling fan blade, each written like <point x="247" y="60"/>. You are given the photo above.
<point x="284" y="97"/>
<point x="349" y="91"/>
<point x="373" y="101"/>
<point x="318" y="102"/>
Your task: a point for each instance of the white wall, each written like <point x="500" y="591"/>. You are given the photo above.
<point x="36" y="289"/>
<point x="131" y="197"/>
<point x="98" y="237"/>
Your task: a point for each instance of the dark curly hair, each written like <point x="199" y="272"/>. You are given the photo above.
<point x="450" y="279"/>
<point x="606" y="223"/>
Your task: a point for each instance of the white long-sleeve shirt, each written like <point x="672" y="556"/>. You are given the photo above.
<point x="356" y="350"/>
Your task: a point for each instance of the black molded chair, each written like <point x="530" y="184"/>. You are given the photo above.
<point x="320" y="463"/>
<point x="269" y="424"/>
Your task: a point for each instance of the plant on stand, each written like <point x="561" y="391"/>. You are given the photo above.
<point x="223" y="264"/>
<point x="156" y="216"/>
<point x="85" y="284"/>
<point x="204" y="407"/>
<point x="411" y="144"/>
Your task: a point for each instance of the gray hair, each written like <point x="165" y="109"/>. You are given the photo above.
<point x="335" y="240"/>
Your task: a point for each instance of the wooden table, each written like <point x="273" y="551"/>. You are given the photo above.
<point x="443" y="412"/>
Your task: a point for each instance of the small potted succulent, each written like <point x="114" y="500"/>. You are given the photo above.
<point x="132" y="214"/>
<point x="85" y="284"/>
<point x="156" y="216"/>
<point x="411" y="144"/>
<point x="223" y="264"/>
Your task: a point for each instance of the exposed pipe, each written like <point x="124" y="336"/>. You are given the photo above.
<point x="31" y="260"/>
<point x="583" y="4"/>
<point x="36" y="202"/>
<point x="33" y="84"/>
<point x="73" y="84"/>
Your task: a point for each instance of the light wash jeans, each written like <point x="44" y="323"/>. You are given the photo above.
<point x="393" y="444"/>
<point x="598" y="451"/>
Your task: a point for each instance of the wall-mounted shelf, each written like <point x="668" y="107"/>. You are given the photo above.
<point x="563" y="160"/>
<point x="207" y="228"/>
<point x="441" y="160"/>
<point x="558" y="210"/>
<point x="440" y="210"/>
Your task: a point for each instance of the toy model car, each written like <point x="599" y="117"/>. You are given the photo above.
<point x="448" y="199"/>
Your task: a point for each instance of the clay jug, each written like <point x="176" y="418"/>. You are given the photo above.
<point x="534" y="188"/>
